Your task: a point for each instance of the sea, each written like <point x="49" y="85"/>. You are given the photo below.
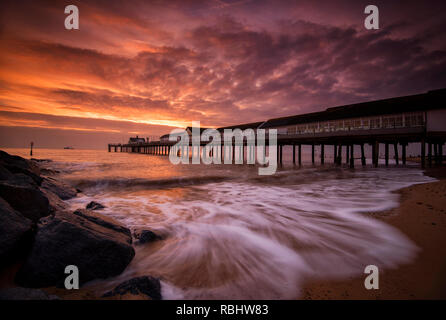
<point x="229" y="233"/>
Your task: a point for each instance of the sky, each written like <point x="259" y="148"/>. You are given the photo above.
<point x="145" y="67"/>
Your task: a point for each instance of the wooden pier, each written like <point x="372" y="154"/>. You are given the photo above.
<point x="390" y="123"/>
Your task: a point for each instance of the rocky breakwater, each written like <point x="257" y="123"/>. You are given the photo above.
<point x="37" y="229"/>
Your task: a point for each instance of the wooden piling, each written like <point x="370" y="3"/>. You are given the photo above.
<point x="322" y="153"/>
<point x="300" y="154"/>
<point x="352" y="157"/>
<point x="347" y="149"/>
<point x="335" y="155"/>
<point x="386" y="153"/>
<point x="312" y="153"/>
<point x="339" y="158"/>
<point x="363" y="160"/>
<point x="294" y="153"/>
<point x="403" y="153"/>
<point x="423" y="153"/>
<point x="440" y="152"/>
<point x="395" y="149"/>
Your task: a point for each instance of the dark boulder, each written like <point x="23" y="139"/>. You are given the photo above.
<point x="147" y="285"/>
<point x="19" y="293"/>
<point x="24" y="196"/>
<point x="69" y="239"/>
<point x="55" y="203"/>
<point x="147" y="236"/>
<point x="15" y="233"/>
<point x="61" y="189"/>
<point x="104" y="221"/>
<point x="5" y="174"/>
<point x="16" y="164"/>
<point x="93" y="205"/>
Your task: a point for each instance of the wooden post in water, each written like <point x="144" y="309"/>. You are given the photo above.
<point x="312" y="153"/>
<point x="299" y="150"/>
<point x="335" y="155"/>
<point x="322" y="153"/>
<point x="436" y="153"/>
<point x="339" y="158"/>
<point x="352" y="158"/>
<point x="440" y="152"/>
<point x="386" y="153"/>
<point x="395" y="148"/>
<point x="403" y="152"/>
<point x="281" y="154"/>
<point x="375" y="153"/>
<point x="347" y="149"/>
<point x="294" y="153"/>
<point x="423" y="153"/>
<point x="429" y="154"/>
<point x="363" y="162"/>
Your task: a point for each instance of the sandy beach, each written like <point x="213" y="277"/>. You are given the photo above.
<point x="422" y="217"/>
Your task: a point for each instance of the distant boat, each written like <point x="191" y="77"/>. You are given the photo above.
<point x="68" y="148"/>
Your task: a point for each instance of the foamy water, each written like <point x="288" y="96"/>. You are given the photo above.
<point x="231" y="234"/>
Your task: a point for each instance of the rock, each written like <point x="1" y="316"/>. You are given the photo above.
<point x="61" y="189"/>
<point x="4" y="173"/>
<point x="55" y="203"/>
<point x="69" y="239"/>
<point x="146" y="236"/>
<point x="104" y="221"/>
<point x="15" y="232"/>
<point x="147" y="285"/>
<point x="19" y="293"/>
<point x="16" y="164"/>
<point x="23" y="195"/>
<point x="93" y="205"/>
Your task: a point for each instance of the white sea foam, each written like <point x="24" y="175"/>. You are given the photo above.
<point x="264" y="239"/>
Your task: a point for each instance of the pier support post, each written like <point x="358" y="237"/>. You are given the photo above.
<point x="322" y="154"/>
<point x="395" y="148"/>
<point x="403" y="153"/>
<point x="423" y="153"/>
<point x="429" y="154"/>
<point x="375" y="153"/>
<point x="436" y="153"/>
<point x="352" y="158"/>
<point x="363" y="162"/>
<point x="312" y="153"/>
<point x="387" y="153"/>
<point x="440" y="152"/>
<point x="294" y="153"/>
<point x="299" y="150"/>
<point x="347" y="149"/>
<point x="335" y="155"/>
<point x="281" y="154"/>
<point x="339" y="158"/>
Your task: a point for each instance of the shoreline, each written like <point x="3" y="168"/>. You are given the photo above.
<point x="422" y="279"/>
<point x="421" y="216"/>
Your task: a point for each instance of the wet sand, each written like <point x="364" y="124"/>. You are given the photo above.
<point x="421" y="216"/>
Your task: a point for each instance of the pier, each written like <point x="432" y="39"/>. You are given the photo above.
<point x="390" y="124"/>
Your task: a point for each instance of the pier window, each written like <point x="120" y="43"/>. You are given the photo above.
<point x="375" y="123"/>
<point x="365" y="123"/>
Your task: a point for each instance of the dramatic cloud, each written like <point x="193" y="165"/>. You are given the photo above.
<point x="157" y="65"/>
